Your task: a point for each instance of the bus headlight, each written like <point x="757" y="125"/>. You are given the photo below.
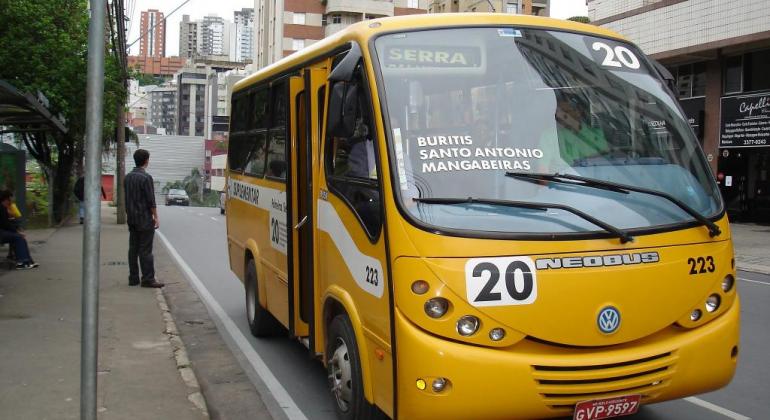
<point x="496" y="334"/>
<point x="727" y="283"/>
<point x="436" y="307"/>
<point x="467" y="325"/>
<point x="712" y="303"/>
<point x="439" y="384"/>
<point x="420" y="287"/>
<point x="695" y="315"/>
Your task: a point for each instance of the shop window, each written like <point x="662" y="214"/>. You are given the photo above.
<point x="733" y="75"/>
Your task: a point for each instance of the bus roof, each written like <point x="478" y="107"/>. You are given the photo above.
<point x="362" y="31"/>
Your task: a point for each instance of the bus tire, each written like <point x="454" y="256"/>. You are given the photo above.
<point x="261" y="322"/>
<point x="343" y="366"/>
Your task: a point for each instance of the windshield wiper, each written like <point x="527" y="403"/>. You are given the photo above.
<point x="624" y="236"/>
<point x="619" y="188"/>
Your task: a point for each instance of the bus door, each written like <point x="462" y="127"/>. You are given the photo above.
<point x="304" y="98"/>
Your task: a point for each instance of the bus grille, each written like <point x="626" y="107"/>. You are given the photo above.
<point x="561" y="387"/>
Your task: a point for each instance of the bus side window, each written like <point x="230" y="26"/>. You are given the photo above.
<point x="277" y="152"/>
<point x="257" y="132"/>
<point x="351" y="167"/>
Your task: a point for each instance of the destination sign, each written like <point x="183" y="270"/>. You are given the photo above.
<point x="413" y="56"/>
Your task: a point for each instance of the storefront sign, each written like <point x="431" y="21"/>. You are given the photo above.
<point x="694" y="111"/>
<point x="745" y="121"/>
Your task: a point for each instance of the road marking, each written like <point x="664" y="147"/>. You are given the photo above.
<point x="280" y="394"/>
<point x="717" y="409"/>
<point x="200" y="214"/>
<point x="755" y="281"/>
<point x="214" y="219"/>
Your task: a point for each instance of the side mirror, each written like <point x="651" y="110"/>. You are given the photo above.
<point x="667" y="77"/>
<point x="345" y="69"/>
<point x="343" y="109"/>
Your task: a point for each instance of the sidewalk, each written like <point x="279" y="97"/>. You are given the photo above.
<point x="752" y="247"/>
<point x="40" y="329"/>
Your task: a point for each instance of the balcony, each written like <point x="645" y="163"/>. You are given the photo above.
<point x="369" y="7"/>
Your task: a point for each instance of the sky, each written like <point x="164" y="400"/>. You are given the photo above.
<point x="561" y="9"/>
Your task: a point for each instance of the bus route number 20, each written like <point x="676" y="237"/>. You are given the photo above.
<point x="500" y="281"/>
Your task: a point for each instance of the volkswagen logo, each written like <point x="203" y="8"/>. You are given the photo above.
<point x="608" y="320"/>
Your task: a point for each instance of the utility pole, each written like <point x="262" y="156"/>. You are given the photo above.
<point x="119" y="49"/>
<point x="120" y="157"/>
<point x="89" y="329"/>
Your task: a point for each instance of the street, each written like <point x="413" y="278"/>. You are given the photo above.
<point x="197" y="238"/>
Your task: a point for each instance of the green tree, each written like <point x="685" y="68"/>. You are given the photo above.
<point x="44" y="48"/>
<point x="580" y="19"/>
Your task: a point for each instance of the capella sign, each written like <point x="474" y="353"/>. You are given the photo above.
<point x="745" y="121"/>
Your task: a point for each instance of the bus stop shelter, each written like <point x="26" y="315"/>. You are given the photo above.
<point x="21" y="113"/>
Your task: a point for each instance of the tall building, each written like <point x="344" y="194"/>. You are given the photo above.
<point x="282" y="27"/>
<point x="522" y="7"/>
<point x="244" y="34"/>
<point x="153" y="34"/>
<point x="188" y="37"/>
<point x="720" y="58"/>
<point x="163" y="109"/>
<point x="191" y="104"/>
<point x="214" y="36"/>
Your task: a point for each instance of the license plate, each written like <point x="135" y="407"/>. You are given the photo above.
<point x="607" y="408"/>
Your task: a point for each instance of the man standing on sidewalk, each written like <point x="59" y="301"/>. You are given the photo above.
<point x="142" y="218"/>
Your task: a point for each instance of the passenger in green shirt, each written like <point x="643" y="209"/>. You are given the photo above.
<point x="577" y="139"/>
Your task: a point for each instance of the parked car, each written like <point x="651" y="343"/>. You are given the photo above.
<point x="222" y="199"/>
<point x="177" y="197"/>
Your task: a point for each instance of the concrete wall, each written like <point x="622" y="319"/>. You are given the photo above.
<point x="171" y="158"/>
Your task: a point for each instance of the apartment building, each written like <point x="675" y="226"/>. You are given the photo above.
<point x="244" y="34"/>
<point x="719" y="53"/>
<point x="188" y="37"/>
<point x="285" y="26"/>
<point x="191" y="101"/>
<point x="522" y="7"/>
<point x="153" y="34"/>
<point x="162" y="113"/>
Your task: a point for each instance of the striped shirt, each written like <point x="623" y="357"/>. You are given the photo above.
<point x="140" y="199"/>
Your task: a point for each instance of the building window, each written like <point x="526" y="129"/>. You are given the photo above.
<point x="756" y="68"/>
<point x="336" y="18"/>
<point x="412" y="4"/>
<point x="297" y="44"/>
<point x="512" y="7"/>
<point x="690" y="80"/>
<point x="298" y="19"/>
<point x="733" y="75"/>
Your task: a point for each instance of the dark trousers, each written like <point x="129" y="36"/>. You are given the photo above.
<point x="18" y="243"/>
<point x="140" y="254"/>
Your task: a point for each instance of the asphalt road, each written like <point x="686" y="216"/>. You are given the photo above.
<point x="198" y="237"/>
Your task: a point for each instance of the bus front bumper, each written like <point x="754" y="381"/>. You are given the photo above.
<point x="536" y="380"/>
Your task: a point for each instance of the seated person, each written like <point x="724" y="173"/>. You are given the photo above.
<point x="9" y="233"/>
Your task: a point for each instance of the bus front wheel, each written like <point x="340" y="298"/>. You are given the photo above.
<point x="344" y="371"/>
<point x="261" y="322"/>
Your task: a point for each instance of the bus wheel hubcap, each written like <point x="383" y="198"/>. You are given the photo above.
<point x="340" y="375"/>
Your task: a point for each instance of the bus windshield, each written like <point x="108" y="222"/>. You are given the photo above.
<point x="467" y="106"/>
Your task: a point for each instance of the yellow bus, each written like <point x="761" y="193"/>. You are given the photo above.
<point x="473" y="216"/>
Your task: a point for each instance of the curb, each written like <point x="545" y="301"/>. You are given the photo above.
<point x="754" y="268"/>
<point x="180" y="355"/>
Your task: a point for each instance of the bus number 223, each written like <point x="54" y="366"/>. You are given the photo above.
<point x="372" y="276"/>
